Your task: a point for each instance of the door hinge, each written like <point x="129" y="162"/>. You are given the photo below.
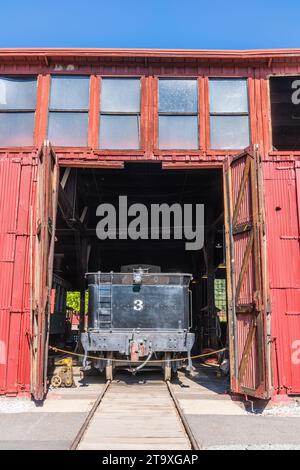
<point x="257" y="301"/>
<point x="18" y="234"/>
<point x="289" y="237"/>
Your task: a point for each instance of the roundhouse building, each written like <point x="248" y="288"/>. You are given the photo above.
<point x="221" y="128"/>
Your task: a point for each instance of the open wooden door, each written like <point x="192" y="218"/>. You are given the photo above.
<point x="43" y="253"/>
<point x="247" y="292"/>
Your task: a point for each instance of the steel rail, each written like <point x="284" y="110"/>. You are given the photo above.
<point x="89" y="417"/>
<point x="84" y="426"/>
<point x="188" y="430"/>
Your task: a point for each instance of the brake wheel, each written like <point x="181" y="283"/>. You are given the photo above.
<point x="56" y="381"/>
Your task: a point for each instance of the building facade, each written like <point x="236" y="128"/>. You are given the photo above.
<point x="236" y="111"/>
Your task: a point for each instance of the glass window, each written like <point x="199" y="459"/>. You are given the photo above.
<point x="119" y="132"/>
<point x="178" y="114"/>
<point x="17" y="111"/>
<point x="70" y="93"/>
<point x="228" y="96"/>
<point x="68" y="129"/>
<point x="229" y="132"/>
<point x="229" y="113"/>
<point x="178" y="132"/>
<point x="178" y="96"/>
<point x="16" y="129"/>
<point x="68" y="111"/>
<point x="120" y="95"/>
<point x="120" y="114"/>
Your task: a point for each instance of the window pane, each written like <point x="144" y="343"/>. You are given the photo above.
<point x="178" y="132"/>
<point x="119" y="132"/>
<point x="16" y="129"/>
<point x="16" y="93"/>
<point x="120" y="95"/>
<point x="68" y="129"/>
<point x="229" y="132"/>
<point x="69" y="92"/>
<point x="178" y="96"/>
<point x="228" y="96"/>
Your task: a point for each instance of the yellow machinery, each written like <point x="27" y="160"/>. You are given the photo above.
<point x="63" y="376"/>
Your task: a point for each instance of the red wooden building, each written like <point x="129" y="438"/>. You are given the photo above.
<point x="222" y="125"/>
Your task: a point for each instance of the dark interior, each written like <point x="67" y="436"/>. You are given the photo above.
<point x="78" y="250"/>
<point x="285" y="112"/>
<point x="147" y="184"/>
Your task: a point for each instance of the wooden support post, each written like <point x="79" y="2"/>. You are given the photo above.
<point x="84" y="268"/>
<point x="211" y="310"/>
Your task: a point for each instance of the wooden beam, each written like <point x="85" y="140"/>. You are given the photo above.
<point x="247" y="351"/>
<point x="67" y="211"/>
<point x="65" y="177"/>
<point x="245" y="264"/>
<point x="241" y="191"/>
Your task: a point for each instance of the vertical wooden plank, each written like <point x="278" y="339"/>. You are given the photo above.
<point x="149" y="138"/>
<point x="94" y="112"/>
<point x="144" y="117"/>
<point x="154" y="113"/>
<point x="265" y="115"/>
<point x="206" y="111"/>
<point x="230" y="274"/>
<point x="42" y="104"/>
<point x="252" y="110"/>
<point x="202" y="113"/>
<point x="258" y="111"/>
<point x="258" y="301"/>
<point x="44" y="250"/>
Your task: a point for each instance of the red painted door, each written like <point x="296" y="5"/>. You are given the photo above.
<point x="247" y="293"/>
<point x="43" y="249"/>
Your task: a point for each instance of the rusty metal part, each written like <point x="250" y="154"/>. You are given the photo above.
<point x="134" y="356"/>
<point x="146" y="361"/>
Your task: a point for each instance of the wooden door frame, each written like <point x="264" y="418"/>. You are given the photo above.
<point x="42" y="256"/>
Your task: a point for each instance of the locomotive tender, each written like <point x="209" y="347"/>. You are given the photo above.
<point x="138" y="317"/>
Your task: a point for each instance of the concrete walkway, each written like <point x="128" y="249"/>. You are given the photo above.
<point x="220" y="423"/>
<point x="54" y="425"/>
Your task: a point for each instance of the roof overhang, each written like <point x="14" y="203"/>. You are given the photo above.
<point x="151" y="55"/>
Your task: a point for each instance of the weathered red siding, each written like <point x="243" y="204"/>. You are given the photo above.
<point x="16" y="197"/>
<point x="280" y="185"/>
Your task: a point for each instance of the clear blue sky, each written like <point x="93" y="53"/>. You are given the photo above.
<point x="194" y="24"/>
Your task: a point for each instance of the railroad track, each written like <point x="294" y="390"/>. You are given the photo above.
<point x="135" y="415"/>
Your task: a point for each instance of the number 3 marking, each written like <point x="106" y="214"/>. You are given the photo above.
<point x="138" y="305"/>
